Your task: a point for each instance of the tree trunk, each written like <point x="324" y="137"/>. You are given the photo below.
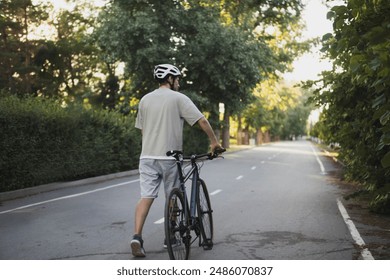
<point x="226" y="129"/>
<point x="214" y="122"/>
<point x="239" y="130"/>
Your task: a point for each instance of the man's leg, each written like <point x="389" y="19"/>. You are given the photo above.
<point x="141" y="212"/>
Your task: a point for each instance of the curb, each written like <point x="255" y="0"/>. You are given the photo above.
<point x="334" y="158"/>
<point x="61" y="185"/>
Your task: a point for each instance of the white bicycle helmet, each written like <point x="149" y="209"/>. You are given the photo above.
<point x="162" y="70"/>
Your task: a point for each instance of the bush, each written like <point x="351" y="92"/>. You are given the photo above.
<point x="41" y="142"/>
<point x="195" y="140"/>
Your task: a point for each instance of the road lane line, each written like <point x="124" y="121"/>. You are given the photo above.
<point x="239" y="177"/>
<point x="365" y="253"/>
<point x="253" y="167"/>
<point x="323" y="171"/>
<point x="159" y="222"/>
<point x="68" y="196"/>
<point x="215" y="192"/>
<point x="263" y="162"/>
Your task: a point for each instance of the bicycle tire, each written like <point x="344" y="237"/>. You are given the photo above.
<point x="177" y="235"/>
<point x="205" y="214"/>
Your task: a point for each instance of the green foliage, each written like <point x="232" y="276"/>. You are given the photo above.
<point x="295" y="121"/>
<point x="222" y="47"/>
<point x="42" y="142"/>
<point x="195" y="141"/>
<point x="17" y="18"/>
<point x="279" y="109"/>
<point x="139" y="34"/>
<point x="223" y="62"/>
<point x="321" y="131"/>
<point x="62" y="63"/>
<point x="356" y="94"/>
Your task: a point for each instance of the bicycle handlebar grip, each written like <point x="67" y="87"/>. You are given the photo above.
<point x="218" y="151"/>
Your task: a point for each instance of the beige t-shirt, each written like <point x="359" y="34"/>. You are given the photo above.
<point x="161" y="117"/>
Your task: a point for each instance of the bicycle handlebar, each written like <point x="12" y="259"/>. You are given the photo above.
<point x="210" y="156"/>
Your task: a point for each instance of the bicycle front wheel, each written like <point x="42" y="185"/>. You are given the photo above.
<point x="177" y="234"/>
<point x="205" y="214"/>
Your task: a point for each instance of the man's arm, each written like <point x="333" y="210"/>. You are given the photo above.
<point x="206" y="127"/>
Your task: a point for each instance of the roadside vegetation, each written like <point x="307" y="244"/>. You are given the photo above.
<point x="71" y="79"/>
<point x="354" y="96"/>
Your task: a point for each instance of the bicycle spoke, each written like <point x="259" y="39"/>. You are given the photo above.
<point x="176" y="233"/>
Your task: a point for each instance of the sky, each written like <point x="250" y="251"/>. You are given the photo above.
<point x="310" y="65"/>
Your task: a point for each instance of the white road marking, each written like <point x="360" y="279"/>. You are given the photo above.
<point x="323" y="172"/>
<point x="263" y="162"/>
<point x="158" y="222"/>
<point x="253" y="167"/>
<point x="366" y="254"/>
<point x="68" y="196"/>
<point x="215" y="192"/>
<point x="239" y="177"/>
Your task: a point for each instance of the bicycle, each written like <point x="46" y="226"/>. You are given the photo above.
<point x="183" y="216"/>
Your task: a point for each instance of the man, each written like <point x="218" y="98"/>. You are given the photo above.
<point x="161" y="117"/>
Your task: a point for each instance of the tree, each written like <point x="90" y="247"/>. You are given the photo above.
<point x="69" y="61"/>
<point x="140" y="34"/>
<point x="223" y="52"/>
<point x="17" y="48"/>
<point x="61" y="64"/>
<point x="356" y="93"/>
<point x="279" y="109"/>
<point x="224" y="63"/>
<point x="277" y="24"/>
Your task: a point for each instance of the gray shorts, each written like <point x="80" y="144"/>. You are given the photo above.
<point x="153" y="172"/>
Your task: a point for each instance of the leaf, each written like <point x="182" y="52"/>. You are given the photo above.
<point x="385" y="139"/>
<point x="375" y="35"/>
<point x="355" y="62"/>
<point x="340" y="10"/>
<point x="386" y="160"/>
<point x="327" y="36"/>
<point x="375" y="63"/>
<point x="385" y="118"/>
<point x="330" y="15"/>
<point x="379" y="101"/>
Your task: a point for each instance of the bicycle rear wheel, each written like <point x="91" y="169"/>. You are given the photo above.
<point x="177" y="234"/>
<point x="205" y="214"/>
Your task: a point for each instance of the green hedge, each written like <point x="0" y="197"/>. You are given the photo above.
<point x="195" y="140"/>
<point x="41" y="142"/>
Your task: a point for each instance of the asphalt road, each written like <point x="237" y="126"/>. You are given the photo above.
<point x="272" y="202"/>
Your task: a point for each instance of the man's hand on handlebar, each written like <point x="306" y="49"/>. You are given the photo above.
<point x="217" y="150"/>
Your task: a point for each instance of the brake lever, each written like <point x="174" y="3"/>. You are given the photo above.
<point x="217" y="153"/>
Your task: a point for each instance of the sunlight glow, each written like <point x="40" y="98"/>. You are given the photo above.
<point x="310" y="65"/>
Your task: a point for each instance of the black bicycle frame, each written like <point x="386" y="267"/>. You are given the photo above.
<point x="194" y="172"/>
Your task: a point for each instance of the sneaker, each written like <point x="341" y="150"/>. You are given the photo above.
<point x="137" y="247"/>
